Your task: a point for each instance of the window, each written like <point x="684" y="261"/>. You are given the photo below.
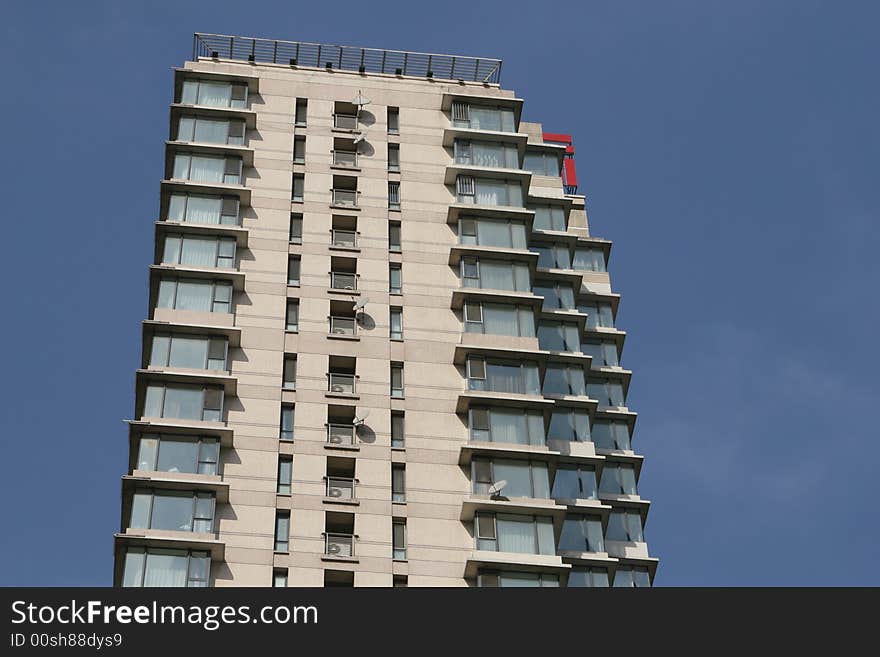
<point x="397" y="379"/>
<point x="608" y="393"/>
<point x="618" y="479"/>
<point x="395" y="279"/>
<point x="507" y="425"/>
<point x="398" y="539"/>
<point x="575" y="482"/>
<point x="508" y="579"/>
<point x="604" y="353"/>
<point x="393" y="121"/>
<point x="556" y="295"/>
<point x="524" y="478"/>
<point x="210" y="131"/>
<point x="569" y="424"/>
<point x="483" y="117"/>
<point x="394" y="236"/>
<point x="398" y="482"/>
<point x="289" y="382"/>
<point x="499" y="319"/>
<point x="203" y="209"/>
<point x="541" y="163"/>
<point x="589" y="259"/>
<point x="207" y="168"/>
<point x="293" y="268"/>
<point x="299" y="182"/>
<point x="502" y="233"/>
<point x="394" y="158"/>
<point x="299" y="150"/>
<point x="188" y="352"/>
<point x="552" y="256"/>
<point x="187" y="402"/>
<point x="561" y="379"/>
<point x="292" y="323"/>
<point x="155" y="567"/>
<point x="185" y="511"/>
<point x="396" y="331"/>
<point x="559" y="336"/>
<point x="581" y="534"/>
<point x="302" y="106"/>
<point x="486" y="154"/>
<point x="514" y="533"/>
<point x="214" y="93"/>
<point x="632" y="577"/>
<point x="599" y="315"/>
<point x="393" y="195"/>
<point x="170" y="453"/>
<point x="397" y="430"/>
<point x="400" y="582"/>
<point x="195" y="294"/>
<point x="199" y="251"/>
<point x="279" y="579"/>
<point x="495" y="274"/>
<point x="285" y="474"/>
<point x="611" y="434"/>
<point x="282" y="531"/>
<point x="296" y="228"/>
<point x="493" y="375"/>
<point x="549" y="217"/>
<point x="482" y="191"/>
<point x="588" y="577"/>
<point x="625" y="525"/>
<point x="287" y="415"/>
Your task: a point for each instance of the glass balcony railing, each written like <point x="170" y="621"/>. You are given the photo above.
<point x="345" y="159"/>
<point x="345" y="197"/>
<point x="343" y="383"/>
<point x="339" y="545"/>
<point x="340" y="488"/>
<point x="342" y="325"/>
<point x="340" y="434"/>
<point x="345" y="121"/>
<point x="343" y="238"/>
<point x="343" y="281"/>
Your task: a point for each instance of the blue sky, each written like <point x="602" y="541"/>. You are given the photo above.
<point x="729" y="149"/>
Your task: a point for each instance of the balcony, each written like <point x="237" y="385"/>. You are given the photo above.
<point x="339" y="545"/>
<point x="343" y="239"/>
<point x="479" y="559"/>
<point x="344" y="198"/>
<point x="343" y="281"/>
<point x="343" y="326"/>
<point x="345" y="159"/>
<point x="341" y="435"/>
<point x="345" y="122"/>
<point x="340" y="489"/>
<point x="342" y="384"/>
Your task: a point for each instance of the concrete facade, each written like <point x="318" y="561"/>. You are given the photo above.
<point x="438" y="450"/>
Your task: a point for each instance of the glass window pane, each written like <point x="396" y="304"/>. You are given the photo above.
<point x="178" y="455"/>
<point x="172" y="511"/>
<point x="165" y="568"/>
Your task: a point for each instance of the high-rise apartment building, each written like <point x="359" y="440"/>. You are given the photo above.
<point x="381" y="347"/>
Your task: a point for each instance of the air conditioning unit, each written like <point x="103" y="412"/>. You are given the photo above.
<point x="339" y="330"/>
<point x="348" y="287"/>
<point x="335" y="438"/>
<point x="334" y="548"/>
<point x="337" y="388"/>
<point x="334" y="492"/>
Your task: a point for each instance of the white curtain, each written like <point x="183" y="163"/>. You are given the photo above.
<point x="207" y="169"/>
<point x="215" y="94"/>
<point x="504" y="378"/>
<point x="188" y="352"/>
<point x="211" y="131"/>
<point x="193" y="295"/>
<point x="199" y="251"/>
<point x="496" y="275"/>
<point x="515" y="535"/>
<point x="204" y="209"/>
<point x="165" y="568"/>
<point x="500" y="320"/>
<point x="493" y="233"/>
<point x="183" y="402"/>
<point x="508" y="426"/>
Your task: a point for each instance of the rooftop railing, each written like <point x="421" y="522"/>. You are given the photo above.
<point x="347" y="58"/>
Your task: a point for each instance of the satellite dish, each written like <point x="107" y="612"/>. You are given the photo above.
<point x="360" y="100"/>
<point x="359" y="137"/>
<point x="496" y="488"/>
<point x="360" y="304"/>
<point x="359" y="419"/>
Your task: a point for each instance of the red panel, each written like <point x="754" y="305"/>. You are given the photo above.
<point x="569" y="173"/>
